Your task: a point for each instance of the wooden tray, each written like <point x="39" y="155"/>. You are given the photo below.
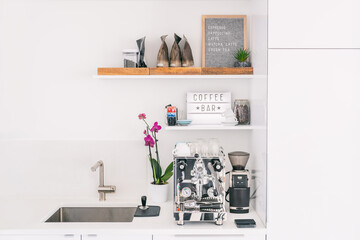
<point x="176" y="71"/>
<point x="226" y="71"/>
<point x="123" y="71"/>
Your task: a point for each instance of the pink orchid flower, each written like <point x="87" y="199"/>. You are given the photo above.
<point x="156" y="127"/>
<point x="149" y="141"/>
<point x="142" y="116"/>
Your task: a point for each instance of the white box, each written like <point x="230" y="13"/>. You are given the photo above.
<point x="207" y="107"/>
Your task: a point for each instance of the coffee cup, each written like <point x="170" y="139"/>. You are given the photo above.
<point x="229" y="116"/>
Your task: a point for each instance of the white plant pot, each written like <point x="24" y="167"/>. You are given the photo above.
<point x="159" y="193"/>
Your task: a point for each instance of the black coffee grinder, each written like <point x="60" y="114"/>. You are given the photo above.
<point x="239" y="185"/>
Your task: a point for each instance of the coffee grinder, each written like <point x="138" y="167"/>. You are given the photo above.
<point x="239" y="185"/>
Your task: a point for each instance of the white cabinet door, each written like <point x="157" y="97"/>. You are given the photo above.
<point x="115" y="237"/>
<point x="314" y="24"/>
<point x="41" y="237"/>
<point x="313" y="144"/>
<point x="209" y="237"/>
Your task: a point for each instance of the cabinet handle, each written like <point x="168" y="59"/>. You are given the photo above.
<point x="92" y="235"/>
<point x="69" y="235"/>
<point x="207" y="235"/>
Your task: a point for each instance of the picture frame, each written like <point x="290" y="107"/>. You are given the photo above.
<point x="222" y="36"/>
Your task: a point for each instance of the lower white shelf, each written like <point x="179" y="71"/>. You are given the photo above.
<point x="208" y="127"/>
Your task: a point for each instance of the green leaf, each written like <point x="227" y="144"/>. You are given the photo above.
<point x="156" y="169"/>
<point x="169" y="168"/>
<point x="168" y="173"/>
<point x="160" y="169"/>
<point x="166" y="176"/>
<point x="242" y="54"/>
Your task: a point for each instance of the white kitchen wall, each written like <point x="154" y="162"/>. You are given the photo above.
<point x="51" y="49"/>
<point x="57" y="120"/>
<point x="61" y="168"/>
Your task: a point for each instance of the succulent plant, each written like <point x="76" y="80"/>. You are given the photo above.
<point x="242" y="55"/>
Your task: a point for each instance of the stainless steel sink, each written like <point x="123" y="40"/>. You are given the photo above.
<point x="93" y="214"/>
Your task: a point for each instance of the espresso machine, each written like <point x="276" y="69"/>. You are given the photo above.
<point x="239" y="184"/>
<point x="199" y="186"/>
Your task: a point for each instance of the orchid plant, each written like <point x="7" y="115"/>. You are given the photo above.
<point x="151" y="142"/>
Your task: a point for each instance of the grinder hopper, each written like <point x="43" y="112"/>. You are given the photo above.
<point x="239" y="159"/>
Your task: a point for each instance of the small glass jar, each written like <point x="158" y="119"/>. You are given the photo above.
<point x="242" y="111"/>
<point x="131" y="58"/>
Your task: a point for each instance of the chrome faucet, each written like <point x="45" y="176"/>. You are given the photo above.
<point x="102" y="189"/>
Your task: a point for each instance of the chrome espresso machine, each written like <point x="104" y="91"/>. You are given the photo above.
<point x="199" y="185"/>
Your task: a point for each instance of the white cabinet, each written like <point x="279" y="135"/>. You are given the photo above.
<point x="313" y="144"/>
<point x="131" y="237"/>
<point x="115" y="237"/>
<point x="41" y="237"/>
<point x="314" y="24"/>
<point x="209" y="237"/>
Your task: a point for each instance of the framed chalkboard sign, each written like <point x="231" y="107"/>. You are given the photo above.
<point x="222" y="36"/>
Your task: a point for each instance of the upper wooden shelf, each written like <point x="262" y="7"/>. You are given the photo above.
<point x="174" y="71"/>
<point x="243" y="76"/>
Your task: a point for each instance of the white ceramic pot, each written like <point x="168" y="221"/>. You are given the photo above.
<point x="159" y="193"/>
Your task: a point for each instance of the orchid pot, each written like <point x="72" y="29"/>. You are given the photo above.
<point x="159" y="192"/>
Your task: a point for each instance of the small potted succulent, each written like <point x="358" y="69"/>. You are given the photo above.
<point x="159" y="188"/>
<point x="242" y="57"/>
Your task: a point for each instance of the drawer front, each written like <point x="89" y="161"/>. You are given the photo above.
<point x="116" y="237"/>
<point x="210" y="237"/>
<point x="40" y="237"/>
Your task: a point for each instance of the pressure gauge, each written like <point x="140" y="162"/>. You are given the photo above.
<point x="210" y="192"/>
<point x="186" y="192"/>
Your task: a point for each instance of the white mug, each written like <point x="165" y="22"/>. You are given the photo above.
<point x="229" y="116"/>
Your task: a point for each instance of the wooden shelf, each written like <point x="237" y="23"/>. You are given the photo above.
<point x="226" y="71"/>
<point x="174" y="71"/>
<point x="208" y="127"/>
<point x="123" y="71"/>
<point x="178" y="76"/>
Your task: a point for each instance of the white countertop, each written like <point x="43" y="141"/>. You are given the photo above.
<point x="19" y="216"/>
